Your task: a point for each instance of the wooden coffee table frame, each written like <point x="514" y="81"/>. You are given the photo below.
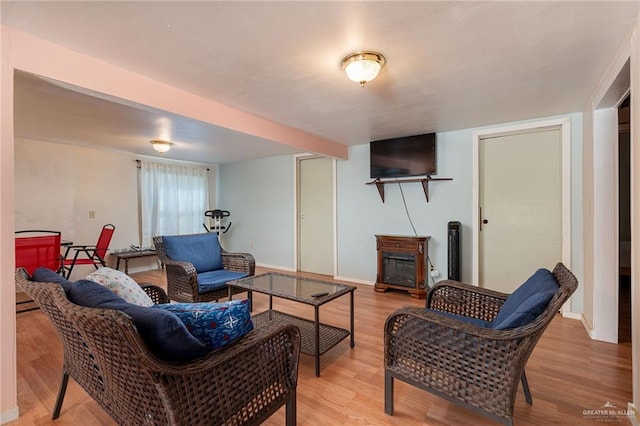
<point x="316" y="337"/>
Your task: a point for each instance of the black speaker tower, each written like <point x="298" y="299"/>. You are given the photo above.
<point x="454" y="250"/>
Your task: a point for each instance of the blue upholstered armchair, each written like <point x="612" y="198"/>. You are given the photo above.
<point x="198" y="268"/>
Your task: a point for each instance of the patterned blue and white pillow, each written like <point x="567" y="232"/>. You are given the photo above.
<point x="214" y="324"/>
<point x="122" y="285"/>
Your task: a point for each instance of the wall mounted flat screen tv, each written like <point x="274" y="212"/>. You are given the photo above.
<point x="401" y="157"/>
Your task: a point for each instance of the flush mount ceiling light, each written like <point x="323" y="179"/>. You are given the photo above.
<point x="161" y="146"/>
<point x="363" y="67"/>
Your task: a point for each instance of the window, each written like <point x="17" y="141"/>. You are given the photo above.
<point x="174" y="198"/>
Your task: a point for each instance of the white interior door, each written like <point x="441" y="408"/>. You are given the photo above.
<point x="315" y="215"/>
<point x="520" y="200"/>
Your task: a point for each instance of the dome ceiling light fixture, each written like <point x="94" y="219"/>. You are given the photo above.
<point x="363" y="66"/>
<point x="161" y="146"/>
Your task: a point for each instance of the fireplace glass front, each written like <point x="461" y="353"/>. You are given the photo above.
<point x="399" y="269"/>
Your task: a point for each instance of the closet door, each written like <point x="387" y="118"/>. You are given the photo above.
<point x="315" y="215"/>
<point x="520" y="192"/>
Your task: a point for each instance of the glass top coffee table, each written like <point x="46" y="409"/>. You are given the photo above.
<point x="317" y="338"/>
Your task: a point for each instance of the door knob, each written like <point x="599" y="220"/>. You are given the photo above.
<point x="485" y="221"/>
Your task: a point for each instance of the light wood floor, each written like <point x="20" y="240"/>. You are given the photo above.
<point x="568" y="373"/>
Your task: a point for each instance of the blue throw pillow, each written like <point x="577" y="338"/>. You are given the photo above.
<point x="214" y="324"/>
<point x="93" y="295"/>
<point x="470" y="320"/>
<point x="46" y="275"/>
<point x="527" y="302"/>
<point x="527" y="311"/>
<point x="201" y="250"/>
<point x="163" y="333"/>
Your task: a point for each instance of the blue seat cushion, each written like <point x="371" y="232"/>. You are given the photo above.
<point x="470" y="320"/>
<point x="527" y="301"/>
<point x="215" y="280"/>
<point x="203" y="251"/>
<point x="214" y="324"/>
<point x="46" y="275"/>
<point x="164" y="333"/>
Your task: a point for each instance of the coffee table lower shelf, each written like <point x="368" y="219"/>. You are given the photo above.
<point x="329" y="335"/>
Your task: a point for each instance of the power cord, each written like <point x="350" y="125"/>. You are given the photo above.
<point x="406" y="209"/>
<point x="433" y="281"/>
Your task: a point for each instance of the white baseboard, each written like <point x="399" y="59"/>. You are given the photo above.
<point x="587" y="326"/>
<point x="9" y="415"/>
<point x="633" y="414"/>
<point x="353" y="280"/>
<point x="592" y="333"/>
<point x="278" y="267"/>
<point x="572" y="315"/>
<point x="335" y="277"/>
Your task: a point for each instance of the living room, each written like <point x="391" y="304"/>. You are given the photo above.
<point x="260" y="192"/>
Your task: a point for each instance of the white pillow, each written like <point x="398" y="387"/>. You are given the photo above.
<point x="122" y="285"/>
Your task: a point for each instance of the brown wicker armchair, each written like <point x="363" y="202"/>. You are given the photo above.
<point x="240" y="384"/>
<point x="477" y="367"/>
<point x="182" y="276"/>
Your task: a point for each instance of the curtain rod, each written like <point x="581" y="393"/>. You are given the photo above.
<point x="139" y="165"/>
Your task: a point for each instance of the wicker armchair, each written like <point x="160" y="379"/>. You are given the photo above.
<point x="240" y="384"/>
<point x="182" y="277"/>
<point x="477" y="367"/>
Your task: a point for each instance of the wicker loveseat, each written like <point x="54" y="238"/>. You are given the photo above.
<point x="198" y="267"/>
<point x="242" y="383"/>
<point x="456" y="350"/>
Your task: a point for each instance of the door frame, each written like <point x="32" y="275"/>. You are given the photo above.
<point x="297" y="158"/>
<point x="564" y="125"/>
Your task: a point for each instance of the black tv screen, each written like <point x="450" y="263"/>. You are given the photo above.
<point x="406" y="156"/>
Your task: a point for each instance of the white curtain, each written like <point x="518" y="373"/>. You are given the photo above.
<point x="173" y="199"/>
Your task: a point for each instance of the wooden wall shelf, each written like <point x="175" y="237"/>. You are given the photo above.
<point x="379" y="183"/>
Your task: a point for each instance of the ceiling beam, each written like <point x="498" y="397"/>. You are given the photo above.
<point x="46" y="59"/>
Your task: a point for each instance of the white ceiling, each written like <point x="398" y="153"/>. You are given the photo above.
<point x="450" y="65"/>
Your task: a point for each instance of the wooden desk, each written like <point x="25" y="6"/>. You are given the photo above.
<point x="128" y="255"/>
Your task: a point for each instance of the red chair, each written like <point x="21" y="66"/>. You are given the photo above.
<point x="34" y="249"/>
<point x="37" y="248"/>
<point x="89" y="254"/>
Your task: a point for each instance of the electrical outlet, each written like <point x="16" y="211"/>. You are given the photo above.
<point x="435" y="272"/>
<point x="92" y="214"/>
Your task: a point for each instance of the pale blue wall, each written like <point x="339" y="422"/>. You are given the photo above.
<point x="260" y="196"/>
<point x="362" y="214"/>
